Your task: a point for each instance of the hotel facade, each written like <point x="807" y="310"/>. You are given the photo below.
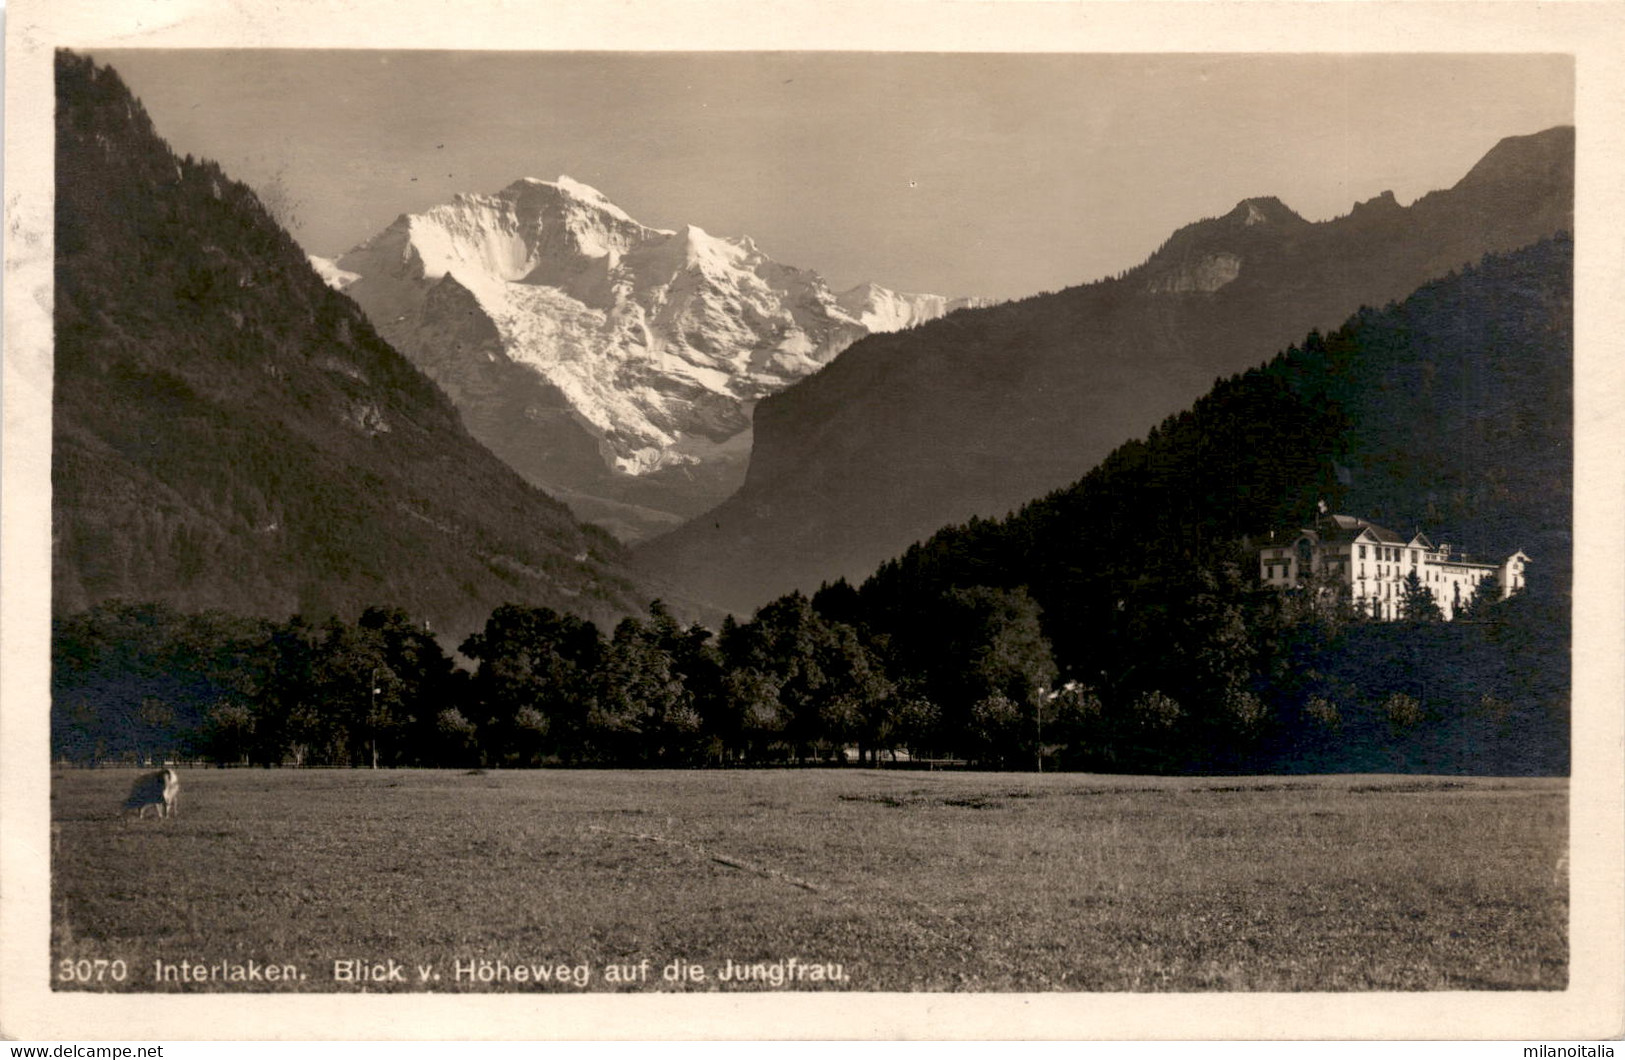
<point x="1371" y="563"/>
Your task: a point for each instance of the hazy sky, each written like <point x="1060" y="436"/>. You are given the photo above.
<point x="996" y="175"/>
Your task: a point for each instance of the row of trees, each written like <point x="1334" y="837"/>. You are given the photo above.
<point x="792" y="683"/>
<point x="1208" y="674"/>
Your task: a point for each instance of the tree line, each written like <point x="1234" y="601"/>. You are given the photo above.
<point x="791" y="684"/>
<point x="1231" y="679"/>
<point x="145" y="680"/>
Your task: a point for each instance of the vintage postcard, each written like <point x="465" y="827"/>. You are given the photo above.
<point x="705" y="520"/>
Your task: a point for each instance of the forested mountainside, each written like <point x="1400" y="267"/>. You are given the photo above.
<point x="978" y="412"/>
<point x="1451" y="412"/>
<point x="230" y="433"/>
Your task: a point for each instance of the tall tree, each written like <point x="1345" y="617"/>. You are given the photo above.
<point x="976" y="643"/>
<point x="645" y="711"/>
<point x="362" y="696"/>
<point x="534" y="657"/>
<point x="1417" y="603"/>
<point x="425" y="679"/>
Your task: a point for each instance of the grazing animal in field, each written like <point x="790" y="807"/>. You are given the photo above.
<point x="158" y="791"/>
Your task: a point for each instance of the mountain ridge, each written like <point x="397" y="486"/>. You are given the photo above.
<point x="231" y="433"/>
<point x="976" y="413"/>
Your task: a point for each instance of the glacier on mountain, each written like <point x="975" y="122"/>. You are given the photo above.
<point x="589" y="350"/>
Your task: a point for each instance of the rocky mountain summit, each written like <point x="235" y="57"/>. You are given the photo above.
<point x="613" y="364"/>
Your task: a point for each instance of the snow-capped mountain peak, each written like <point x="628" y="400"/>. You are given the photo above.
<point x="880" y="309"/>
<point x="591" y="351"/>
<point x="588" y="194"/>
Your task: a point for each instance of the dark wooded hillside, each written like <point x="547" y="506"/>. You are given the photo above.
<point x="1451" y="412"/>
<point x="978" y="412"/>
<point x="230" y="433"/>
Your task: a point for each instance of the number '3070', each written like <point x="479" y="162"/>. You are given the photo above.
<point x="86" y="970"/>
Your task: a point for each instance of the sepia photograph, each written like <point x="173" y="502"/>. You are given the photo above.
<point x="731" y="524"/>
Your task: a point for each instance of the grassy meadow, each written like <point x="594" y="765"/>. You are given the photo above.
<point x="905" y="880"/>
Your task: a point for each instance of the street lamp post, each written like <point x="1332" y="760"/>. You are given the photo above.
<point x="1038" y="714"/>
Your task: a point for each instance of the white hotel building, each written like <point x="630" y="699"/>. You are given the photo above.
<point x="1371" y="563"/>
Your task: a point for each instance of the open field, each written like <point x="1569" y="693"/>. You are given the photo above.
<point x="906" y="880"/>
